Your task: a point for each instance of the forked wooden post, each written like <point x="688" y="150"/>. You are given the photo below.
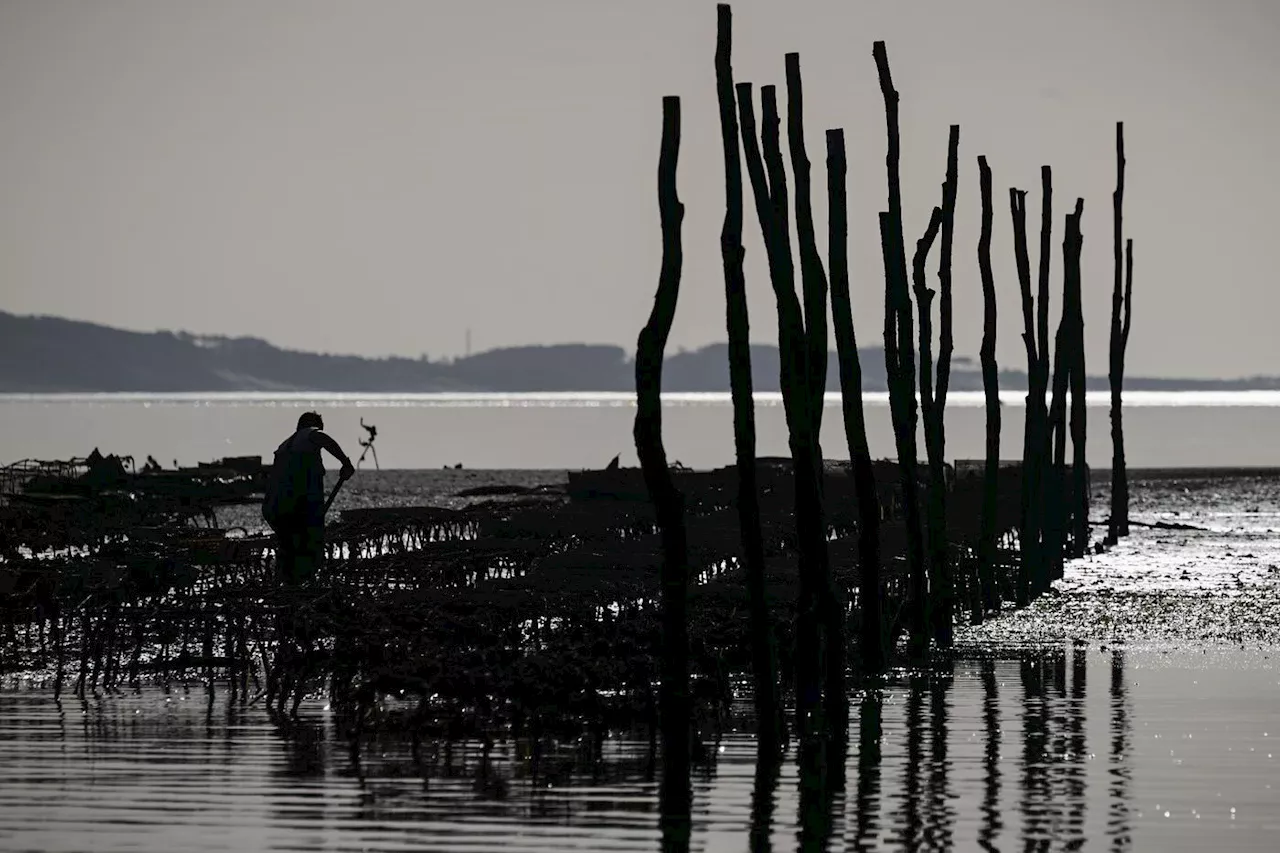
<point x="935" y="526"/>
<point x="934" y="413"/>
<point x="770" y="191"/>
<point x="900" y="365"/>
<point x="668" y="503"/>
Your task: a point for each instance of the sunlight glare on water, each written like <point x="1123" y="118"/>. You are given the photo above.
<point x="583" y="430"/>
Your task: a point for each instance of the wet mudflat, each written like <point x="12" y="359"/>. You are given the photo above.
<point x="1138" y="707"/>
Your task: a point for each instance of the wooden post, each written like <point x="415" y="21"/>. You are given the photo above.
<point x="990" y="384"/>
<point x="769" y="720"/>
<point x="870" y="588"/>
<point x="813" y="277"/>
<point x="1029" y="537"/>
<point x="675" y="794"/>
<point x="900" y="363"/>
<point x="934" y="527"/>
<point x="830" y="600"/>
<point x="1079" y="465"/>
<point x="811" y="528"/>
<point x="1119" y="525"/>
<point x="769" y="191"/>
<point x="933" y="396"/>
<point x="1043" y="458"/>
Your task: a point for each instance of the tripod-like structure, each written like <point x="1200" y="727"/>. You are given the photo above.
<point x="367" y="444"/>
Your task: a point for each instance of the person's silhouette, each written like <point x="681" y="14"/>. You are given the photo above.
<point x="294" y="503"/>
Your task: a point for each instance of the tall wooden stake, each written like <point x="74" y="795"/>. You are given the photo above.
<point x="900" y="365"/>
<point x="1029" y="537"/>
<point x="1079" y="464"/>
<point x="933" y="396"/>
<point x="990" y="383"/>
<point x="769" y="191"/>
<point x="1119" y="340"/>
<point x="870" y="588"/>
<point x="830" y="601"/>
<point x="675" y="793"/>
<point x="769" y="720"/>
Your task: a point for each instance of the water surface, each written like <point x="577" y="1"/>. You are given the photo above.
<point x="586" y="430"/>
<point x="1062" y="746"/>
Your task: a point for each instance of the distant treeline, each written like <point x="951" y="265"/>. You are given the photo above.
<point x="49" y="355"/>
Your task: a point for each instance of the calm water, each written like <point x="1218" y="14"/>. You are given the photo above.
<point x="587" y="430"/>
<point x="1103" y="749"/>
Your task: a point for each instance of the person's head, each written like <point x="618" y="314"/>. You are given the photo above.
<point x="310" y="420"/>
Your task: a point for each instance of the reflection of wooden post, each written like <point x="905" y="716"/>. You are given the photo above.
<point x="900" y="363"/>
<point x="829" y="600"/>
<point x="763" y="648"/>
<point x="1119" y="341"/>
<point x="771" y="208"/>
<point x="667" y="501"/>
<point x="1080" y="469"/>
<point x="990" y="384"/>
<point x="872" y="643"/>
<point x="990" y="757"/>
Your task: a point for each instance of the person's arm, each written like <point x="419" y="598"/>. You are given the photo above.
<point x="326" y="442"/>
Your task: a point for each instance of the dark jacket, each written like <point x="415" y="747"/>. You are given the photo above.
<point x="295" y="489"/>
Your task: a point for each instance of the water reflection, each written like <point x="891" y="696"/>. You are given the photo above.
<point x="938" y="828"/>
<point x="989" y="753"/>
<point x="1118" y="815"/>
<point x="989" y="831"/>
<point x="870" y="756"/>
<point x="764" y="793"/>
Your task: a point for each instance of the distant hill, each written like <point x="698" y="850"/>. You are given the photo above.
<point x="49" y="355"/>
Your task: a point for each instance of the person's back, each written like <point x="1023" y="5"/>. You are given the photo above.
<point x="294" y="502"/>
<point x="295" y="492"/>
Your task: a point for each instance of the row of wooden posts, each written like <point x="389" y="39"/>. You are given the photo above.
<point x="820" y="665"/>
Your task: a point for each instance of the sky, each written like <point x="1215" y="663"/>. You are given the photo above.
<point x="380" y="177"/>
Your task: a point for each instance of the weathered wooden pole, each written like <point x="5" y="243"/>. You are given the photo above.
<point x="1029" y="537"/>
<point x="870" y="588"/>
<point x="900" y="364"/>
<point x="812" y="275"/>
<point x="934" y="409"/>
<point x="811" y="527"/>
<point x="1040" y="574"/>
<point x="770" y="195"/>
<point x="1079" y="464"/>
<point x="1119" y="525"/>
<point x="1055" y="503"/>
<point x="674" y="706"/>
<point x="990" y="384"/>
<point x="830" y="600"/>
<point x="769" y="720"/>
<point x="934" y="527"/>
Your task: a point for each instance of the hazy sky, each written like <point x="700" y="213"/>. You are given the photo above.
<point x="377" y="177"/>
